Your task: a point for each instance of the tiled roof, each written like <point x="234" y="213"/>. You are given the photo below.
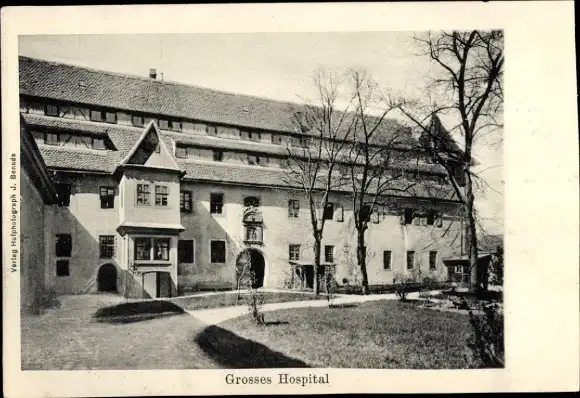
<point x="70" y="83"/>
<point x="125" y="137"/>
<point x="65" y="124"/>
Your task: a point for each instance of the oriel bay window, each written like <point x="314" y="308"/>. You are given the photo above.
<point x="147" y="249"/>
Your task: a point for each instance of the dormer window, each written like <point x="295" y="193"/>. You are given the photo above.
<point x="137" y="121"/>
<point x="51" y="110"/>
<point x="96" y="116"/>
<point x="175" y="125"/>
<point x="164" y="124"/>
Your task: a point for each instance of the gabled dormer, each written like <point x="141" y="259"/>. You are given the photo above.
<point x="151" y="151"/>
<point x="149" y="181"/>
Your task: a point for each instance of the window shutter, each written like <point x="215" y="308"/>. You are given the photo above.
<point x="423" y="221"/>
<point x="402" y="220"/>
<point x="115" y="245"/>
<point x="439" y="222"/>
<point x="375" y="217"/>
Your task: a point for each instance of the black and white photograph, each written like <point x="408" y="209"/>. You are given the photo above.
<point x="262" y="200"/>
<point x="165" y="191"/>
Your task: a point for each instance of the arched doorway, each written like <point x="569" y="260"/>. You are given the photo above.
<point x="251" y="262"/>
<point x="107" y="278"/>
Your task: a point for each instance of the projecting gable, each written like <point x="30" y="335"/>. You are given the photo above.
<point x="151" y="151"/>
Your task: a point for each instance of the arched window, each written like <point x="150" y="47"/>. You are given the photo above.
<point x="251" y="201"/>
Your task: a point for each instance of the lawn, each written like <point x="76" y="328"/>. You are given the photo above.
<point x="381" y="334"/>
<point x="219" y="300"/>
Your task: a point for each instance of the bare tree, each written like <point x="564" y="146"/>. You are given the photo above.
<point x="323" y="130"/>
<point x="378" y="148"/>
<point x="468" y="85"/>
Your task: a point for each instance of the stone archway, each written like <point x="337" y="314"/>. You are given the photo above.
<point x="107" y="278"/>
<point x="251" y="262"/>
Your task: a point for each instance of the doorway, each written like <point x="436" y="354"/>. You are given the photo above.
<point x="107" y="278"/>
<point x="256" y="266"/>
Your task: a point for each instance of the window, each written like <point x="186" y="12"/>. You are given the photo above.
<point x="157" y="147"/>
<point x="111" y="117"/>
<point x="96" y="116"/>
<point x="137" y="121"/>
<point x="143" y="194"/>
<point x="339" y="212"/>
<point x="164" y="124"/>
<point x="251" y="201"/>
<point x="161" y="247"/>
<point x="175" y="125"/>
<point x="218" y="156"/>
<point x="386" y="259"/>
<point x="328" y="213"/>
<point x="62" y="268"/>
<point x="63" y="194"/>
<point x="218" y="251"/>
<point x="216" y="203"/>
<point x="185" y="252"/>
<point x="107" y="196"/>
<point x="293" y="208"/>
<point x="432" y="260"/>
<point x="410" y="259"/>
<point x="430" y="218"/>
<point x="63" y="247"/>
<point x="276" y="139"/>
<point x="142" y="248"/>
<point x="185" y="202"/>
<point x="252" y="159"/>
<point x="99" y="143"/>
<point x="161" y="195"/>
<point x="408" y="216"/>
<point x="294" y="252"/>
<point x="180" y="152"/>
<point x="107" y="246"/>
<point x="211" y="130"/>
<point x="329" y="254"/>
<point x="254" y="136"/>
<point x="51" y="110"/>
<point x="51" y="139"/>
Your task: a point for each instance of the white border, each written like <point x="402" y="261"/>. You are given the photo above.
<point x="541" y="171"/>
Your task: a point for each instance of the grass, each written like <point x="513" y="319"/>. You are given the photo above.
<point x="220" y="300"/>
<point x="381" y="334"/>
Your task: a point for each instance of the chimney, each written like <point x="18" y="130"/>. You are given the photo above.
<point x="153" y="73"/>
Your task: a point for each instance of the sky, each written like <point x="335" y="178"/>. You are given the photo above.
<point x="273" y="65"/>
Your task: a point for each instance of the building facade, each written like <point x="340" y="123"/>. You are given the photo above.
<point x="165" y="188"/>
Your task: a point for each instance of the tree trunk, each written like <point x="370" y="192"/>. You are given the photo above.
<point x="475" y="277"/>
<point x="361" y="256"/>
<point x="317" y="243"/>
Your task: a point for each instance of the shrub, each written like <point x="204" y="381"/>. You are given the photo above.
<point x="405" y="284"/>
<point x="255" y="300"/>
<point x="487" y="341"/>
<point x="331" y="287"/>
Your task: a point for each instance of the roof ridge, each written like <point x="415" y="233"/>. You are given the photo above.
<point x="149" y="80"/>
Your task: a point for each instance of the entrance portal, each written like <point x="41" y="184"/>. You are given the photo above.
<point x="107" y="278"/>
<point x="251" y="262"/>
